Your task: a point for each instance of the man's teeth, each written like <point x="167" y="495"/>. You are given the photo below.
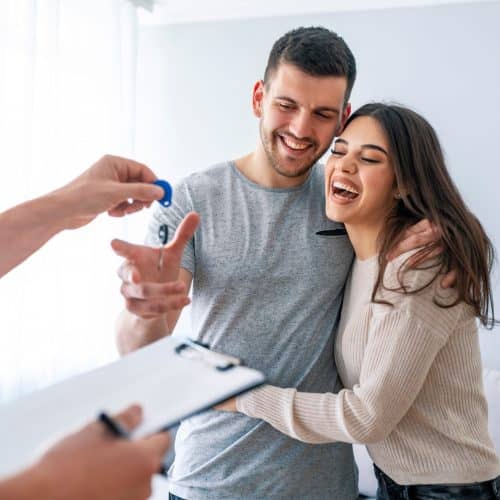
<point x="294" y="145"/>
<point x="344" y="187"/>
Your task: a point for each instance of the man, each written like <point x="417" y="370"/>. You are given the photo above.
<point x="91" y="463"/>
<point x="266" y="286"/>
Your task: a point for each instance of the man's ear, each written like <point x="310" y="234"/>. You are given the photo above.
<point x="345" y="114"/>
<point x="257" y="98"/>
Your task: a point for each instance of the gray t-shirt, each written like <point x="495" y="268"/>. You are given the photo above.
<point x="267" y="289"/>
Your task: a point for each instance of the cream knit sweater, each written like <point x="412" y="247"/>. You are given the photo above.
<point x="413" y="385"/>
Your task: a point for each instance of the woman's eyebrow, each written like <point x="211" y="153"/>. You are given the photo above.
<point x="374" y="146"/>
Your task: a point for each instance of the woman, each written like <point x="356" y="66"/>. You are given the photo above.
<point x="406" y="349"/>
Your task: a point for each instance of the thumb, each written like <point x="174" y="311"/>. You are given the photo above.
<point x="130" y="417"/>
<point x="185" y="231"/>
<point x="140" y="191"/>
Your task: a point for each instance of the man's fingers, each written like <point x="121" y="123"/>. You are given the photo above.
<point x="128" y="250"/>
<point x="415" y="259"/>
<point x="412" y="242"/>
<point x="423" y="225"/>
<point x="129" y="273"/>
<point x="154" y="307"/>
<point x="185" y="231"/>
<point x="449" y="279"/>
<point x="152" y="290"/>
<point x="130" y="418"/>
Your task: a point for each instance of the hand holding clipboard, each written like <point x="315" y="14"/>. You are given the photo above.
<point x="172" y="379"/>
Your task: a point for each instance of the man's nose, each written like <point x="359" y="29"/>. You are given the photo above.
<point x="301" y="126"/>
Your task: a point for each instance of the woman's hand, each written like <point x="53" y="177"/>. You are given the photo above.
<point x="228" y="405"/>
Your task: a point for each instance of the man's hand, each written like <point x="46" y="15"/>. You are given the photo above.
<point x="94" y="464"/>
<point x="420" y="235"/>
<point x="148" y="291"/>
<point x="115" y="185"/>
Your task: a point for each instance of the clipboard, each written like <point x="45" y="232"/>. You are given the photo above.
<point x="172" y="379"/>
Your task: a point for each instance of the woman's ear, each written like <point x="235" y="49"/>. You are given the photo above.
<point x="257" y="98"/>
<point x="399" y="192"/>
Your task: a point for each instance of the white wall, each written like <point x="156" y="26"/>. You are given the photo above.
<point x="195" y="84"/>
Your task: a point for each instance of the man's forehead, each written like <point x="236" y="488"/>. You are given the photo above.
<point x="290" y="82"/>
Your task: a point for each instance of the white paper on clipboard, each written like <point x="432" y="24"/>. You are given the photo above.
<point x="171" y="379"/>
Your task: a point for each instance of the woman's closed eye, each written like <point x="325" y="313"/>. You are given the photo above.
<point x="337" y="153"/>
<point x="369" y="160"/>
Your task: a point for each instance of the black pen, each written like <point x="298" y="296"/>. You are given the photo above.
<point x="117" y="430"/>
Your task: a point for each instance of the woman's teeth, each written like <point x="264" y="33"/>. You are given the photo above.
<point x="344" y="190"/>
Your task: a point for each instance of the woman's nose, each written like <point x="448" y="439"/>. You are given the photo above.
<point x="348" y="164"/>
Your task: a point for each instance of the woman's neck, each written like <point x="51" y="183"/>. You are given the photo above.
<point x="364" y="239"/>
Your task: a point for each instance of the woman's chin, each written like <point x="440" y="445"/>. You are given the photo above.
<point x="337" y="215"/>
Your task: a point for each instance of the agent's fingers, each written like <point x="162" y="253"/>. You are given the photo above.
<point x="130" y="170"/>
<point x="156" y="445"/>
<point x="126" y="208"/>
<point x="130" y="417"/>
<point x="185" y="231"/>
<point x="139" y="191"/>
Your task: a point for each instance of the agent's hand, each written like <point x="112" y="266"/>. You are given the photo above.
<point x="419" y="235"/>
<point x="115" y="185"/>
<point x="94" y="464"/>
<point x="148" y="291"/>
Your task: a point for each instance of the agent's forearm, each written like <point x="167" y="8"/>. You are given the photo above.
<point x="28" y="226"/>
<point x="30" y="484"/>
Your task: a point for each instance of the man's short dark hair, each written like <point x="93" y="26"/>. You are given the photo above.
<point x="316" y="51"/>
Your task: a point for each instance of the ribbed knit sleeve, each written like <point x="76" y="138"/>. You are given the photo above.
<point x="403" y="341"/>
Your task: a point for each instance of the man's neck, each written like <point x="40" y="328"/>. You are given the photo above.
<point x="257" y="168"/>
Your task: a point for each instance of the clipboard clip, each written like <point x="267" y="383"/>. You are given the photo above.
<point x="193" y="349"/>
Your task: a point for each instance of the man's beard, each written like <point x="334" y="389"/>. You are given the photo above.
<point x="270" y="147"/>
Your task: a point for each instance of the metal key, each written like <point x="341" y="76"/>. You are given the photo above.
<point x="163" y="237"/>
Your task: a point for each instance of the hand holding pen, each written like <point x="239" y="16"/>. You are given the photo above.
<point x="92" y="463"/>
<point x="116" y="429"/>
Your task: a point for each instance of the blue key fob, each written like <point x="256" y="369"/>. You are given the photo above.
<point x="166" y="201"/>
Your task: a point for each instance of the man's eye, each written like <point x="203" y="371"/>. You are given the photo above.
<point x="284" y="106"/>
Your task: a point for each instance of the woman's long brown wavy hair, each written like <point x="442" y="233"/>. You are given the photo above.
<point x="428" y="192"/>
